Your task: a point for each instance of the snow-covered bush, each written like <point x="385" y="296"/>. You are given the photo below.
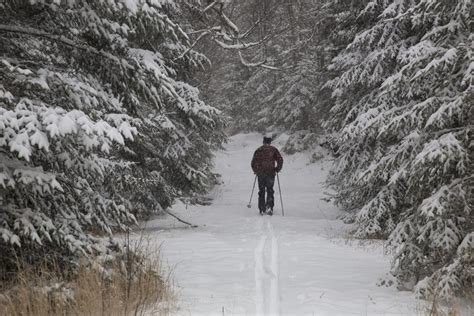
<point x="403" y="109"/>
<point x="97" y="122"/>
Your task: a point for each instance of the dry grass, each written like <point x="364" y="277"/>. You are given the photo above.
<point x="455" y="307"/>
<point x="437" y="309"/>
<point x="130" y="285"/>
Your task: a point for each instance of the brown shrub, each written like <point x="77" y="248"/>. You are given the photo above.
<point x="130" y="284"/>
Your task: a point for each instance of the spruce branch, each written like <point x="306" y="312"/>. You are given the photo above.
<point x="63" y="40"/>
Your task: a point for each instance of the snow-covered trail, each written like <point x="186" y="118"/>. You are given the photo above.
<point x="239" y="263"/>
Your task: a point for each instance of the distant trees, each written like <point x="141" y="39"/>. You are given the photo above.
<point x="97" y="122"/>
<point x="299" y="38"/>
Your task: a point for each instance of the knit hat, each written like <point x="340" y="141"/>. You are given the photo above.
<point x="267" y="138"/>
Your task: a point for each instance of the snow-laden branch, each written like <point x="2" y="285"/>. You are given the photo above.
<point x="62" y="39"/>
<point x="210" y="6"/>
<point x="238" y="46"/>
<point x="261" y="64"/>
<point x="227" y="35"/>
<point x="229" y="23"/>
<point x="190" y="48"/>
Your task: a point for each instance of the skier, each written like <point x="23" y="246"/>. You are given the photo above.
<point x="263" y="165"/>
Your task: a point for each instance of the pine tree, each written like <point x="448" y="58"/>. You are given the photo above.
<point x="403" y="112"/>
<point x="97" y="121"/>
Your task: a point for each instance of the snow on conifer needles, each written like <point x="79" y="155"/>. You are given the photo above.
<point x="404" y="103"/>
<point x="96" y="125"/>
<point x="99" y="124"/>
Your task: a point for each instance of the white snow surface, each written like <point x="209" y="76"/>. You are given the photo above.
<point x="239" y="263"/>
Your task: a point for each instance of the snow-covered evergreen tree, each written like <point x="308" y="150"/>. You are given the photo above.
<point x="403" y="110"/>
<point x="97" y="122"/>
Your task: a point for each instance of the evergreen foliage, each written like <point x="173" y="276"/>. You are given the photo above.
<point x="403" y="113"/>
<point x="98" y="124"/>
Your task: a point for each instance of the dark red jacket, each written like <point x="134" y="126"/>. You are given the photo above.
<point x="264" y="159"/>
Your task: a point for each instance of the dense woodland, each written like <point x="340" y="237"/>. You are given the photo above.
<point x="99" y="126"/>
<point x="111" y="110"/>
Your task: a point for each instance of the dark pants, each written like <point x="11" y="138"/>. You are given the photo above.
<point x="265" y="183"/>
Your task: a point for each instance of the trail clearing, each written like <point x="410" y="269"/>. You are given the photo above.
<point x="239" y="263"/>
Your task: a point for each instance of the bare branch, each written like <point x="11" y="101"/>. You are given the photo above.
<point x="227" y="35"/>
<point x="209" y="7"/>
<point x="180" y="220"/>
<point x="209" y="29"/>
<point x="258" y="64"/>
<point x="238" y="46"/>
<point x="190" y="48"/>
<point x="250" y="30"/>
<point x="229" y="23"/>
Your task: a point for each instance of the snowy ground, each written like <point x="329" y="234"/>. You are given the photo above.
<point x="238" y="263"/>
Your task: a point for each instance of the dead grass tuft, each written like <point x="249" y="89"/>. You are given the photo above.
<point x="132" y="284"/>
<point x="454" y="307"/>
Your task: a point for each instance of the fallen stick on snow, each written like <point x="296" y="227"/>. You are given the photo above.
<point x="182" y="221"/>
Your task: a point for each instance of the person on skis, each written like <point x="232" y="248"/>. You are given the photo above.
<point x="266" y="162"/>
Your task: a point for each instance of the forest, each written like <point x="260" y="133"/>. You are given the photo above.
<point x="112" y="111"/>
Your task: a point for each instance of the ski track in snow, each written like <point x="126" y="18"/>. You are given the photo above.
<point x="259" y="274"/>
<point x="240" y="263"/>
<point x="275" y="268"/>
<point x="267" y="274"/>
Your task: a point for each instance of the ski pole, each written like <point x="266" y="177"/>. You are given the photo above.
<point x="281" y="199"/>
<point x="251" y="195"/>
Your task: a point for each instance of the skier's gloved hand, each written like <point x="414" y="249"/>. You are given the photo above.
<point x="277" y="170"/>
